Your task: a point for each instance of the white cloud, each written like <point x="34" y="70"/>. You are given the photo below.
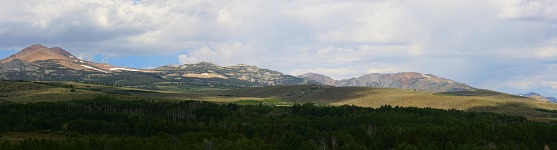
<point x="85" y="56"/>
<point x="334" y="73"/>
<point x="463" y="40"/>
<point x="540" y="79"/>
<point x="185" y="59"/>
<point x="528" y="9"/>
<point x="549" y="50"/>
<point x="525" y="84"/>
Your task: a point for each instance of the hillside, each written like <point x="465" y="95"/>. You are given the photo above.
<point x="476" y="100"/>
<point x="473" y="100"/>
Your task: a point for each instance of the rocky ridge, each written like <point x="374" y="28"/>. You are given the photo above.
<point x="403" y="80"/>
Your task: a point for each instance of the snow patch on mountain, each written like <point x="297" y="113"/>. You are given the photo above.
<point x="125" y="69"/>
<point x="94" y="68"/>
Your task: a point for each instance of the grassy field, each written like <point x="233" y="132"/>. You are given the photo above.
<point x="184" y="88"/>
<point x="23" y="92"/>
<point x="479" y="100"/>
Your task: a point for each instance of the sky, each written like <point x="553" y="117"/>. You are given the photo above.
<point x="503" y="45"/>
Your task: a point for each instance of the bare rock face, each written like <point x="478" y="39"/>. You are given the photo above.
<point x="404" y="80"/>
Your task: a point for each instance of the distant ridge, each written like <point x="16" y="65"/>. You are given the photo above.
<point x="539" y="97"/>
<point x="403" y="80"/>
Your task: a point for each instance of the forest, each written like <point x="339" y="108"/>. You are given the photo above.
<point x="108" y="123"/>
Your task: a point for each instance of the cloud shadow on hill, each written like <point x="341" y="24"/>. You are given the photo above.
<point x="517" y="109"/>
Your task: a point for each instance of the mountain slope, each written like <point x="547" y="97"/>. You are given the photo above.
<point x="404" y="80"/>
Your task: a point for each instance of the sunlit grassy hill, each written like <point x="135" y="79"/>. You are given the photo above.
<point x="477" y="100"/>
<point x="23" y="92"/>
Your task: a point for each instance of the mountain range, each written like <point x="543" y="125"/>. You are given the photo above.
<point x="403" y="80"/>
<point x="38" y="62"/>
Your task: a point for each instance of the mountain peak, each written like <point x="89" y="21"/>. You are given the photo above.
<point x="38" y="52"/>
<point x="36" y="46"/>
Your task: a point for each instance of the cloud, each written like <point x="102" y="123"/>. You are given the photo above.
<point x="185" y="59"/>
<point x="84" y="56"/>
<point x="528" y="9"/>
<point x="326" y="71"/>
<point x="465" y="40"/>
<point x="548" y="50"/>
<point x="526" y="83"/>
<point x="537" y="78"/>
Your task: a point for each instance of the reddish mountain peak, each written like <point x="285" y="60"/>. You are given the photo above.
<point x="408" y="75"/>
<point x="36" y="46"/>
<point x="32" y="48"/>
<point x="39" y="52"/>
<point x="61" y="51"/>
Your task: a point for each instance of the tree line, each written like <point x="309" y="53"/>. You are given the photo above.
<point x="107" y="123"/>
